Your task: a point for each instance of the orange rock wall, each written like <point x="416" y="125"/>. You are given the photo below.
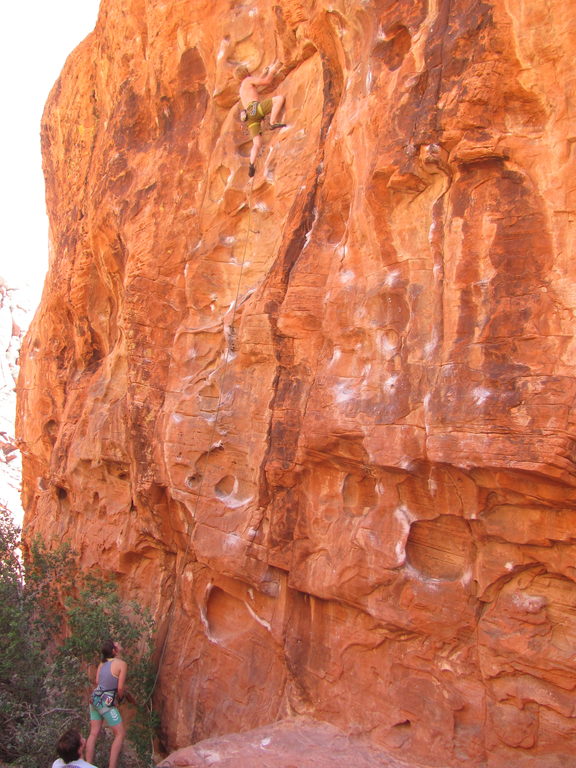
<point x="323" y="425"/>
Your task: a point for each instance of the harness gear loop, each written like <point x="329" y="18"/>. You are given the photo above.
<point x="253" y="109"/>
<point x="103" y="698"/>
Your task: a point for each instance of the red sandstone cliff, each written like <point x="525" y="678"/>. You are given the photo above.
<point x="325" y="429"/>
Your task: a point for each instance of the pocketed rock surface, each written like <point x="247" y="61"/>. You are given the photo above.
<point x="322" y="423"/>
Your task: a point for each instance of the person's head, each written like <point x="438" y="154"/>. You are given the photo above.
<point x="241" y="72"/>
<point x="109" y="649"/>
<point x="70" y="745"/>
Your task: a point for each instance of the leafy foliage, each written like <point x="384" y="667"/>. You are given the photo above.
<point x="53" y="622"/>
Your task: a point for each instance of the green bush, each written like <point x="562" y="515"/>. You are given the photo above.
<point x="53" y="621"/>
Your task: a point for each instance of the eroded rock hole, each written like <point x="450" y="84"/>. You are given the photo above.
<point x="394" y="47"/>
<point x="193" y="481"/>
<point x="51" y="430"/>
<point x="225" y="486"/>
<point x="440" y="548"/>
<point x="191" y="69"/>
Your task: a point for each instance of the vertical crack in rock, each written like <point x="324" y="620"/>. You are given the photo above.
<point x="289" y="391"/>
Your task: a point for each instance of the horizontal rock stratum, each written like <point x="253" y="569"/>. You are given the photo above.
<point x="322" y="421"/>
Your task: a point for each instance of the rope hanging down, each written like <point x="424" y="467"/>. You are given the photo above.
<point x="210" y="444"/>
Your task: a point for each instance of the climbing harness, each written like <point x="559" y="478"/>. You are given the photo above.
<point x="254" y="114"/>
<point x="101" y="698"/>
<point x="253" y="110"/>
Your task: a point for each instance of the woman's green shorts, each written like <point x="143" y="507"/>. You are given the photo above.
<point x="110" y="715"/>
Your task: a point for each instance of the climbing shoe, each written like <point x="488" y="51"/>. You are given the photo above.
<point x="251" y="170"/>
<point x="273" y="126"/>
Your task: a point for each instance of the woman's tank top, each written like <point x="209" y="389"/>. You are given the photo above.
<point x="106" y="679"/>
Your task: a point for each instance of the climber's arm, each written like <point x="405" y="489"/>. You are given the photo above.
<point x="266" y="78"/>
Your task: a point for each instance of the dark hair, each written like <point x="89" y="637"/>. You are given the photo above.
<point x="68" y="746"/>
<point x="107" y="650"/>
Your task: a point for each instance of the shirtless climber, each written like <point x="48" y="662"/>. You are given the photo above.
<point x="257" y="110"/>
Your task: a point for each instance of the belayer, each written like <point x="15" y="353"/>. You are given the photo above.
<point x="254" y="110"/>
<point x="109" y="692"/>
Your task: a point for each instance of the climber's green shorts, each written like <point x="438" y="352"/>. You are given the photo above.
<point x="110" y="715"/>
<point x="264" y="108"/>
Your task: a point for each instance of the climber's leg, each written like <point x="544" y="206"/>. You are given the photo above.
<point x="277" y="105"/>
<point x="256" y="147"/>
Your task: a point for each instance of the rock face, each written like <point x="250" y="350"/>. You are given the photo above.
<point x="294" y="743"/>
<point x="322" y="423"/>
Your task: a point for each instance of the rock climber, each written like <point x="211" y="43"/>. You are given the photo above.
<point x="256" y="110"/>
<point x="70" y="748"/>
<point x="109" y="692"/>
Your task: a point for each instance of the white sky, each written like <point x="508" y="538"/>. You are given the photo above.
<point x="35" y="40"/>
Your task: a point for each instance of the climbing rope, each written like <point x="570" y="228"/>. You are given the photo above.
<point x="211" y="444"/>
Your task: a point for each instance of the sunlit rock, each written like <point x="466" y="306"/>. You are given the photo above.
<point x="322" y="423"/>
